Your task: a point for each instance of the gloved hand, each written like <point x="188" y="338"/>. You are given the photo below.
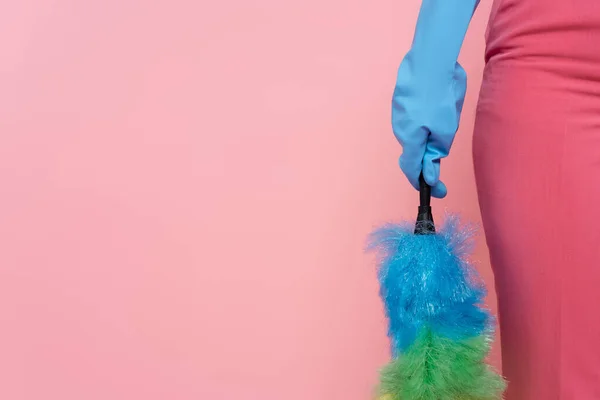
<point x="430" y="90"/>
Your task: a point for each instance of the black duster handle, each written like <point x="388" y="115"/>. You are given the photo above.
<point x="424" y="224"/>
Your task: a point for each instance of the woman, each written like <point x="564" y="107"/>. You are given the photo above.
<point x="536" y="151"/>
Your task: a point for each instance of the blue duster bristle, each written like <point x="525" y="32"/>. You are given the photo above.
<point x="428" y="279"/>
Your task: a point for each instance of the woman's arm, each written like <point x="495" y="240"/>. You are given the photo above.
<point x="430" y="90"/>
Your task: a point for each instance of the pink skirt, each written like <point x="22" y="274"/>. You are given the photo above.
<point x="537" y="164"/>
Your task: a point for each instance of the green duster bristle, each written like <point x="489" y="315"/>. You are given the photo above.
<point x="437" y="368"/>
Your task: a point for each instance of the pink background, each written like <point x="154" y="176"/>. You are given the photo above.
<point x="186" y="189"/>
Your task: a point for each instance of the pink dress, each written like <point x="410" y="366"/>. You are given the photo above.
<point x="537" y="163"/>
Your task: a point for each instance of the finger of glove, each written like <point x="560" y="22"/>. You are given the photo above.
<point x="411" y="163"/>
<point x="439" y="191"/>
<point x="431" y="171"/>
<point x="431" y="167"/>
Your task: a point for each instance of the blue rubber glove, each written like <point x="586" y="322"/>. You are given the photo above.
<point x="430" y="90"/>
